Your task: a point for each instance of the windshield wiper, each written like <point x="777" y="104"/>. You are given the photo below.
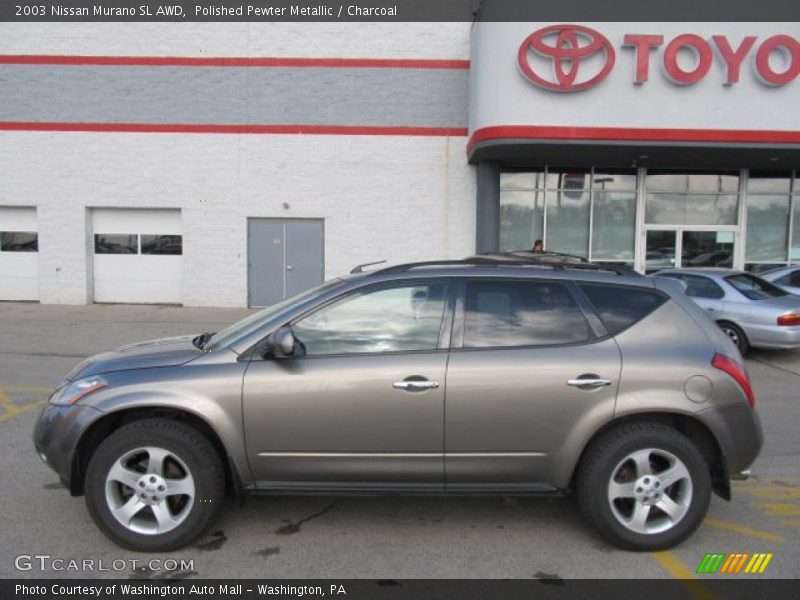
<point x="202" y="339"/>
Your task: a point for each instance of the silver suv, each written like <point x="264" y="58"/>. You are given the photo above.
<point x="473" y="376"/>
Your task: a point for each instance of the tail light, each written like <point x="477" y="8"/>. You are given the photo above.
<point x="738" y="372"/>
<point x="790" y="320"/>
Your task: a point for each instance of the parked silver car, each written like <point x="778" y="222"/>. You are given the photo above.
<point x="752" y="311"/>
<point x="469" y="376"/>
<point x="786" y="277"/>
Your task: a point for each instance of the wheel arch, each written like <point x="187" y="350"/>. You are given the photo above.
<point x="101" y="428"/>
<point x="688" y="425"/>
<point x="722" y="322"/>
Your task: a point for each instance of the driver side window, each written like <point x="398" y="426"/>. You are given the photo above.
<point x="387" y="319"/>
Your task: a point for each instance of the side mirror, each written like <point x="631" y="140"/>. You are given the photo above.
<point x="282" y="343"/>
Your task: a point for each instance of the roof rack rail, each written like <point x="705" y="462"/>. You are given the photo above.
<point x="360" y="268"/>
<point x="487" y="261"/>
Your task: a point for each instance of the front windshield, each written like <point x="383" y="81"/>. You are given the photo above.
<point x="755" y="288"/>
<point x="249" y="324"/>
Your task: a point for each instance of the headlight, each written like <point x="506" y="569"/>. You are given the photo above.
<point x="72" y="392"/>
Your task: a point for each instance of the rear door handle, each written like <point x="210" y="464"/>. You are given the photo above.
<point x="589" y="382"/>
<point x="415" y="385"/>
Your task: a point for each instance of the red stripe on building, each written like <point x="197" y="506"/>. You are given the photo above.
<point x="620" y="134"/>
<point x="247" y="129"/>
<point x="189" y="61"/>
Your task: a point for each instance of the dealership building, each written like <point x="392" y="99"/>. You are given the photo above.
<point x="236" y="164"/>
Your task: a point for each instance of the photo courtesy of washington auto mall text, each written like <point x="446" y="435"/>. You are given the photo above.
<point x="400" y="299"/>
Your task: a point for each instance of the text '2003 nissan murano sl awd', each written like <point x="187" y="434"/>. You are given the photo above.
<point x="453" y="377"/>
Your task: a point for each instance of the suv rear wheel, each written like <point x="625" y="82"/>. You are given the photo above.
<point x="154" y="485"/>
<point x="645" y="486"/>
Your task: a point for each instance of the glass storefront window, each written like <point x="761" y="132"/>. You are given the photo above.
<point x="521" y="181"/>
<point x="614" y="225"/>
<point x="769" y="183"/>
<point x="521" y="214"/>
<point x="614" y="182"/>
<point x="691" y="209"/>
<point x="688" y="183"/>
<point x="568" y="179"/>
<point x="567" y="222"/>
<point x="767" y="228"/>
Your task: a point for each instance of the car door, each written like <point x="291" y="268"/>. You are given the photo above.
<point x="361" y="401"/>
<point x="531" y="372"/>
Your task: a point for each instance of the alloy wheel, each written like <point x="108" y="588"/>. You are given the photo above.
<point x="150" y="490"/>
<point x="650" y="491"/>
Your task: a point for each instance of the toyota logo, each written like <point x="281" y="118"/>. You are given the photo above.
<point x="569" y="46"/>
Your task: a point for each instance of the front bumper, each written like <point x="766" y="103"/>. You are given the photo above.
<point x="56" y="436"/>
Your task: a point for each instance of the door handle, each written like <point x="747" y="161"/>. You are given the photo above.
<point x="289" y="268"/>
<point x="415" y="385"/>
<point x="589" y="382"/>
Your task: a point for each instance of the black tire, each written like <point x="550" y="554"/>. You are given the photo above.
<point x="186" y="449"/>
<point x="736" y="334"/>
<point x="603" y="460"/>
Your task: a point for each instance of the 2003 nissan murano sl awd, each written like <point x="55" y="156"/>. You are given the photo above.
<point x="481" y="375"/>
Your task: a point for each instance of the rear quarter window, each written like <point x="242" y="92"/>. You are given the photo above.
<point x="619" y="306"/>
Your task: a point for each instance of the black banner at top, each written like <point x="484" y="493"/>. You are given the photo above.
<point x="396" y="10"/>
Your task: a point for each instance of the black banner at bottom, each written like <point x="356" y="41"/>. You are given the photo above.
<point x="391" y="589"/>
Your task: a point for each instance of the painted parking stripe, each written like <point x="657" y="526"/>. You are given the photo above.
<point x="673" y="565"/>
<point x="748" y="531"/>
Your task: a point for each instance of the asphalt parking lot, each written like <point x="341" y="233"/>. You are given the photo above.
<point x="361" y="537"/>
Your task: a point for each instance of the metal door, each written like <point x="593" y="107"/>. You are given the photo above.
<point x="285" y="257"/>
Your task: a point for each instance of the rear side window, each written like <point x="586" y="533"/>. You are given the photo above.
<point x="619" y="307"/>
<point x="698" y="286"/>
<point x="522" y="313"/>
<point x="791" y="279"/>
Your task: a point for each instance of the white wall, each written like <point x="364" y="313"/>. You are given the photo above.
<point x="394" y="198"/>
<point x="314" y="40"/>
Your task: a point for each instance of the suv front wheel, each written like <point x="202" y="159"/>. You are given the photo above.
<point x="645" y="486"/>
<point x="154" y="485"/>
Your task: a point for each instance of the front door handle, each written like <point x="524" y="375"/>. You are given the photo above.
<point x="589" y="382"/>
<point x="415" y="385"/>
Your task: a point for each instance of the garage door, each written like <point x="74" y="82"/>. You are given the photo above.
<point x="19" y="254"/>
<point x="137" y="255"/>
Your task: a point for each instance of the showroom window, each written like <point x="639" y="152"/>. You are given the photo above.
<point x="19" y="241"/>
<point x="132" y="243"/>
<point x="568" y="209"/>
<point x="691" y="199"/>
<point x="771" y="239"/>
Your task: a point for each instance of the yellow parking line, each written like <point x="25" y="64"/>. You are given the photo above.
<point x="749" y="531"/>
<point x="673" y="565"/>
<point x="12" y="410"/>
<point x="23" y="389"/>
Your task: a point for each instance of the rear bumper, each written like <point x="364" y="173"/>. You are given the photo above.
<point x="773" y="336"/>
<point x="737" y="428"/>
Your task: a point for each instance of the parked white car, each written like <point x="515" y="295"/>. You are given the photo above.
<point x="786" y="277"/>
